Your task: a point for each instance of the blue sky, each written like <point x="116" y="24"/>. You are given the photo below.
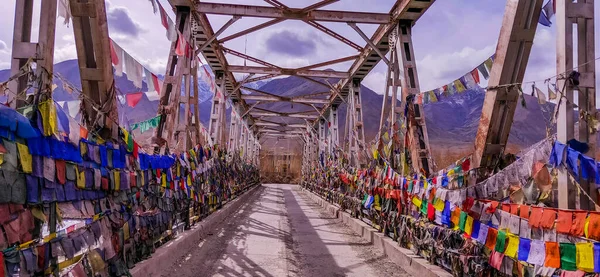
<point x="452" y="38"/>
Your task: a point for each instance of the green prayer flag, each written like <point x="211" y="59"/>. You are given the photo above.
<point x="568" y="254"/>
<point x="501" y="241"/>
<point x="462" y="221"/>
<point x="424" y="206"/>
<point x="146" y="124"/>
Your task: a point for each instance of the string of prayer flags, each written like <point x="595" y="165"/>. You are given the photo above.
<point x="146" y="125"/>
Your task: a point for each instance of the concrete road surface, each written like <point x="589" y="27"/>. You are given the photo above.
<point x="281" y="232"/>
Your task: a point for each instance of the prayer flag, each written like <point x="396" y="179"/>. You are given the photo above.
<point x="469" y="225"/>
<point x="551" y="93"/>
<point x="496" y="259"/>
<point x="458" y="84"/>
<point x="548" y="218"/>
<point x="483" y="71"/>
<point x="585" y="256"/>
<point x="544" y="20"/>
<point x="475" y="74"/>
<point x="524" y="246"/>
<point x="492" y="236"/>
<point x="541" y="97"/>
<point x="133" y="70"/>
<point x="552" y="255"/>
<point x="488" y="64"/>
<point x="118" y="53"/>
<point x="568" y="256"/>
<point x="501" y="241"/>
<point x="550" y="9"/>
<point x="149" y="80"/>
<point x="462" y="221"/>
<point x="564" y="222"/>
<point x="578" y="224"/>
<point x="133" y="99"/>
<point x="512" y="247"/>
<point x="25" y="158"/>
<point x="535" y="219"/>
<point x="537" y="253"/>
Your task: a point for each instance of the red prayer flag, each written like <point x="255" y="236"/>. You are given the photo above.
<point x="524" y="211"/>
<point x="565" y="221"/>
<point x="181" y="44"/>
<point x="163" y="16"/>
<point x="157" y="83"/>
<point x="594" y="226"/>
<point x="475" y="74"/>
<point x="113" y="54"/>
<point x="578" y="223"/>
<point x="535" y="218"/>
<point x="548" y="218"/>
<point x="496" y="259"/>
<point x="133" y="99"/>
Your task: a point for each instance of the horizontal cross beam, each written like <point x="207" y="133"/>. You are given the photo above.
<point x="292" y="13"/>
<point x="274" y="124"/>
<point x="288" y="71"/>
<point x="269" y="98"/>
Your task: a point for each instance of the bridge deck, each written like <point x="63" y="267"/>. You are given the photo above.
<point x="281" y="232"/>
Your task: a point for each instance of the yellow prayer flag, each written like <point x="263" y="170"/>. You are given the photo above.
<point x="189" y="181"/>
<point x="117" y="180"/>
<point x="459" y="86"/>
<point x="513" y="246"/>
<point x="432" y="96"/>
<point x="488" y="63"/>
<point x="1" y="159"/>
<point x="469" y="225"/>
<point x="25" y="158"/>
<point x="585" y="256"/>
<point x="439" y="205"/>
<point x="417" y="201"/>
<point x="48" y="112"/>
<point x="163" y="180"/>
<point x="80" y="178"/>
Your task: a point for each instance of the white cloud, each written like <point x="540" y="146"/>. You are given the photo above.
<point x="65" y="52"/>
<point x="436" y="70"/>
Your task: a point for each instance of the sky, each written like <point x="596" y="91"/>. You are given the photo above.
<point x="450" y="39"/>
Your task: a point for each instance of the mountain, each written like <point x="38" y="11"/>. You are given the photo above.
<point x="452" y="122"/>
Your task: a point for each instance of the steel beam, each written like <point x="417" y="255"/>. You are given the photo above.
<point x="251" y="29"/>
<point x="41" y="52"/>
<point x="276" y="114"/>
<point x="287" y="71"/>
<point x="369" y="42"/>
<point x="568" y="15"/>
<point x="268" y="98"/>
<point x="292" y="13"/>
<point x="92" y="42"/>
<point x="501" y="99"/>
<point x="247" y="57"/>
<point x="406" y="76"/>
<point x="326" y="63"/>
<point x="217" y="33"/>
